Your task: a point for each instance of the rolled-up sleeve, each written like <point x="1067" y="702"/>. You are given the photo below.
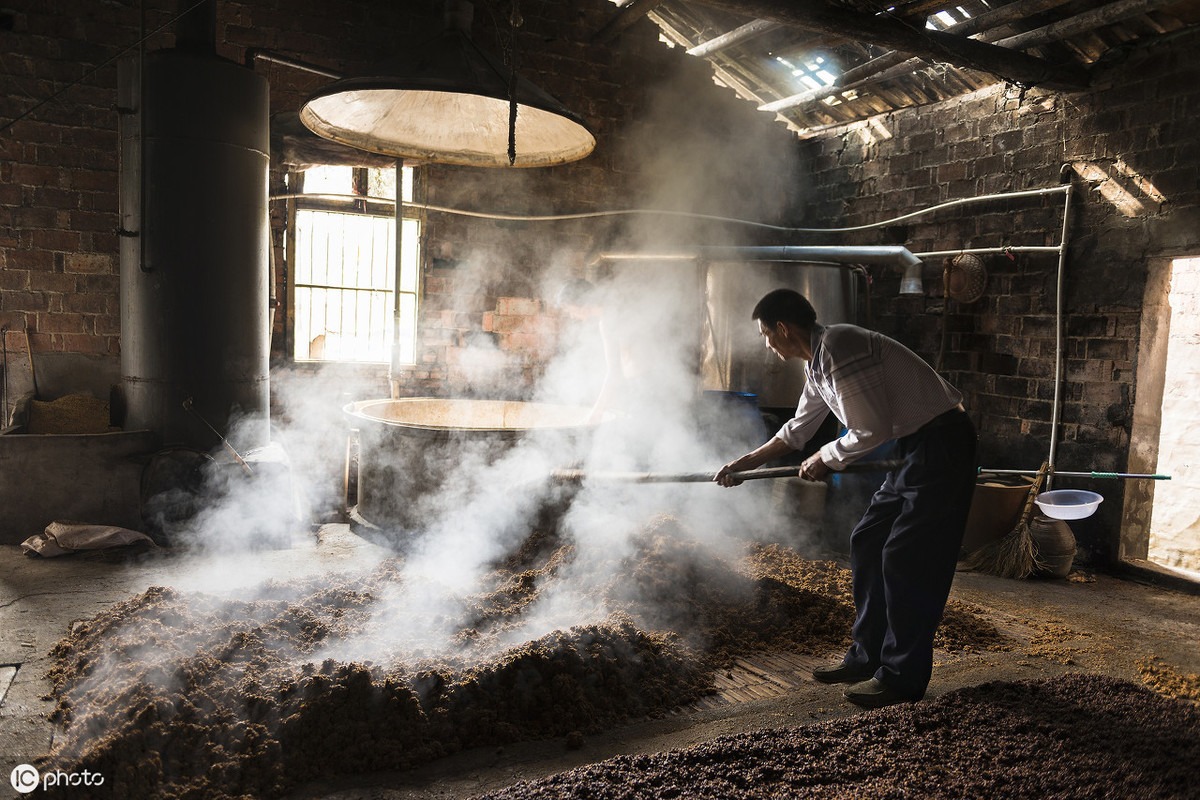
<point x="810" y="413"/>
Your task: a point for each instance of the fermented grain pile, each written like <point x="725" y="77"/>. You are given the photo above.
<point x="1075" y="736"/>
<point x="181" y="696"/>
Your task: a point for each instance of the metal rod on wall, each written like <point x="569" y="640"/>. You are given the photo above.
<point x="394" y="371"/>
<point x="1125" y="475"/>
<point x="1058" y="336"/>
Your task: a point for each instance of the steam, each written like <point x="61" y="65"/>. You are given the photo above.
<point x="481" y="507"/>
<point x="476" y="507"/>
<point x="684" y="154"/>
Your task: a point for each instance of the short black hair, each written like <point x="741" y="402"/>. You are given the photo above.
<point x="785" y="305"/>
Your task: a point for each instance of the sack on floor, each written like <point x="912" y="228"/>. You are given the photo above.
<point x="63" y="537"/>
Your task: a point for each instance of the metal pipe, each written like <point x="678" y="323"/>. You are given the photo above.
<point x="37" y="395"/>
<point x="265" y="55"/>
<point x="1001" y="251"/>
<point x="1126" y="475"/>
<point x="831" y="255"/>
<point x="939" y="207"/>
<point x="691" y="215"/>
<point x="398" y="221"/>
<point x="4" y="376"/>
<point x="854" y="254"/>
<point x="1058" y="333"/>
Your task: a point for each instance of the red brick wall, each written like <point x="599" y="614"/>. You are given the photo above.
<point x="58" y="200"/>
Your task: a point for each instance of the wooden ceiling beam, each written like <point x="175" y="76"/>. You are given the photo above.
<point x="897" y="64"/>
<point x="1088" y="20"/>
<point x="887" y="31"/>
<point x="735" y="36"/>
<point x="626" y="15"/>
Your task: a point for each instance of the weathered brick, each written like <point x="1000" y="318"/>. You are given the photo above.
<point x="31" y="175"/>
<point x="90" y="345"/>
<point x="998" y="364"/>
<point x="953" y="171"/>
<point x="107" y="324"/>
<point x="65" y="241"/>
<point x="85" y="303"/>
<point x="26" y="301"/>
<point x="1012" y="386"/>
<point x="14" y="279"/>
<point x="1113" y="349"/>
<point x="91" y="263"/>
<point x="62" y="323"/>
<point x="56" y="282"/>
<point x="517" y="306"/>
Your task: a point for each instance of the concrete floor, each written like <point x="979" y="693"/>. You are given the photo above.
<point x="1093" y="623"/>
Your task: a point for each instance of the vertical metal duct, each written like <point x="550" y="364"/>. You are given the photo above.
<point x="194" y="255"/>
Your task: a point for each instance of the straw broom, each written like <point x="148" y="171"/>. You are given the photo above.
<point x="1014" y="555"/>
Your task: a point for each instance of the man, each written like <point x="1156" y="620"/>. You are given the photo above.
<point x="904" y="550"/>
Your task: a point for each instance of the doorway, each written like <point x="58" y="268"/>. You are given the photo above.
<point x="1163" y="517"/>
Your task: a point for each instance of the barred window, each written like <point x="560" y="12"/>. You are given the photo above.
<point x="345" y="285"/>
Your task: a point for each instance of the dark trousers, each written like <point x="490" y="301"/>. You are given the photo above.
<point x="904" y="551"/>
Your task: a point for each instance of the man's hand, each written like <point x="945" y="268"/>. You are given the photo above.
<point x="723" y="476"/>
<point x="813" y="468"/>
<point x="773" y="448"/>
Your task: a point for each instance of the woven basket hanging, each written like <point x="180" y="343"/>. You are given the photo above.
<point x="965" y="277"/>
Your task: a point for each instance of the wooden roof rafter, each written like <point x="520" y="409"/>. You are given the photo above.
<point x="883" y="56"/>
<point x="898" y="34"/>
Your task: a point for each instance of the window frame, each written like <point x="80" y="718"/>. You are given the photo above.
<point x="359" y="204"/>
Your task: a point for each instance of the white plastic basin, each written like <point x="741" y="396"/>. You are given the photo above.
<point x="1068" y="503"/>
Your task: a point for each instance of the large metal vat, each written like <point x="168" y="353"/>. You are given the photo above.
<point x="735" y="358"/>
<point x="410" y="450"/>
<point x="194" y="252"/>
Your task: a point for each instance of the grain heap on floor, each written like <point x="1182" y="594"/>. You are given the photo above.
<point x="189" y="696"/>
<point x="1076" y="736"/>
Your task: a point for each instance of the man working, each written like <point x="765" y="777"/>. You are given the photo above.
<point x="904" y="550"/>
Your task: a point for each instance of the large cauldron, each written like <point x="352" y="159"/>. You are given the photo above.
<point x="408" y="449"/>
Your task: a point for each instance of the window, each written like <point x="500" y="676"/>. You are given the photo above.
<point x="345" y="293"/>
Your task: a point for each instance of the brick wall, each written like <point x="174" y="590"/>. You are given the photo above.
<point x="1129" y="150"/>
<point x="59" y="167"/>
<point x="58" y="202"/>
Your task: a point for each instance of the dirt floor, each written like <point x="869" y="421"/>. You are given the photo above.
<point x="1049" y="637"/>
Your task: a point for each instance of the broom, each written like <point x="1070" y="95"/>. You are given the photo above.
<point x="1014" y="555"/>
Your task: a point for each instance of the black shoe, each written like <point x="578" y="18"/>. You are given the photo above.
<point x="877" y="694"/>
<point x="842" y="673"/>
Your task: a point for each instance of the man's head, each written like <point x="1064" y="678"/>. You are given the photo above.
<point x="785" y="305"/>
<point x="785" y="321"/>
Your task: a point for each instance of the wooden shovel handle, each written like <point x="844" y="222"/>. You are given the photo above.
<point x="1027" y="513"/>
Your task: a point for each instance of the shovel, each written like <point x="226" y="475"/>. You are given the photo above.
<point x="579" y="475"/>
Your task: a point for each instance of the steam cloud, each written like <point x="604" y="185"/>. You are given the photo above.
<point x="687" y="159"/>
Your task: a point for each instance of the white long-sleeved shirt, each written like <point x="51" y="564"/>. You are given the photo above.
<point x="878" y="389"/>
